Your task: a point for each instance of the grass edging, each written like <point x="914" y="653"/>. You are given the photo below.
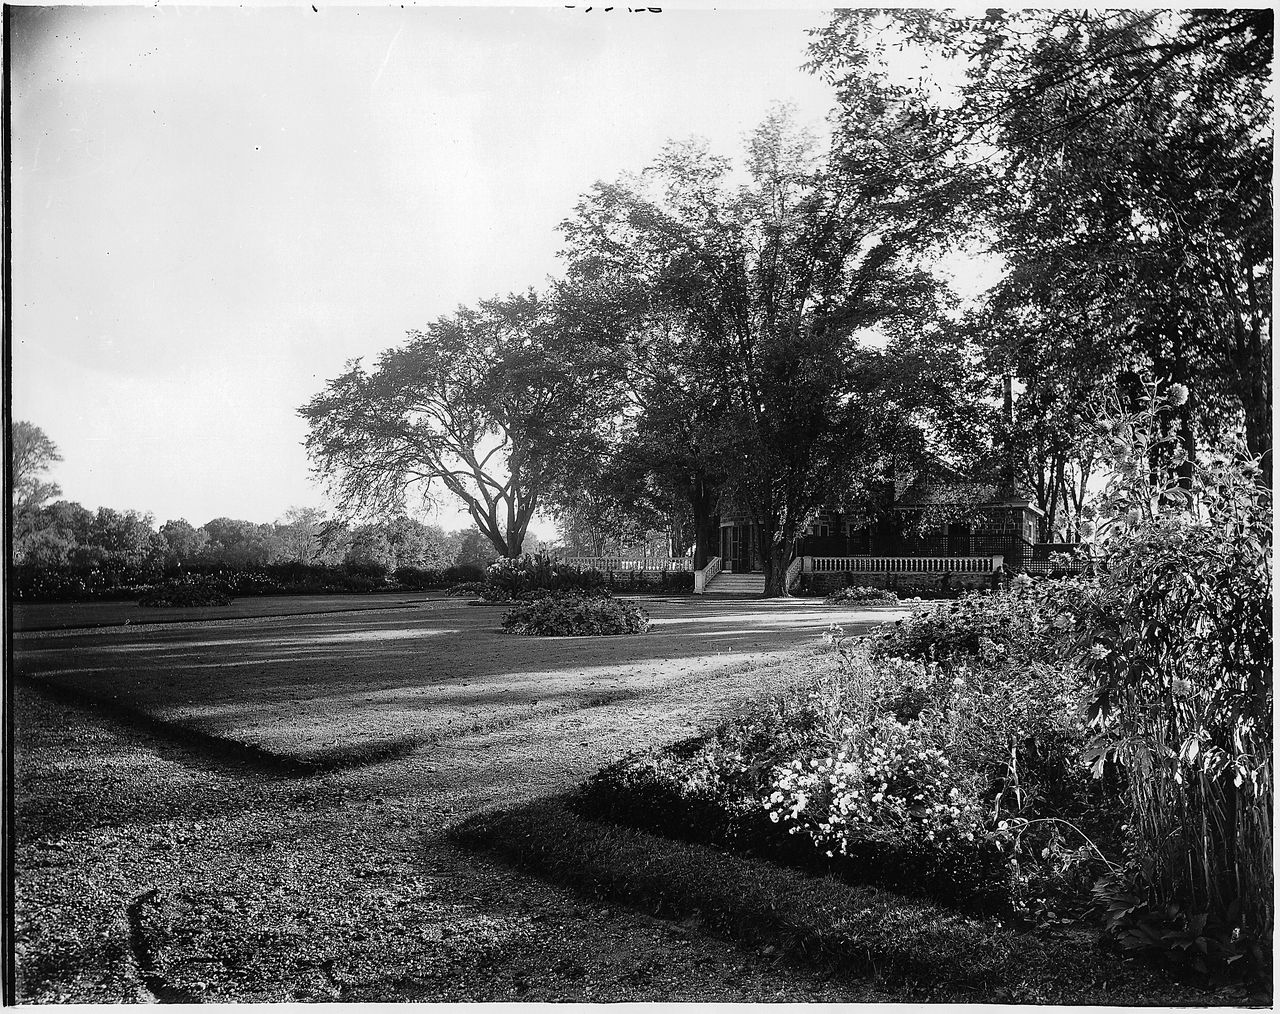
<point x="851" y="930"/>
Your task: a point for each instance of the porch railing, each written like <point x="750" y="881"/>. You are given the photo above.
<point x="643" y="563"/>
<point x="703" y="577"/>
<point x="903" y="564"/>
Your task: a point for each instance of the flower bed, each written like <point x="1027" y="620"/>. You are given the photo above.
<point x="188" y="591"/>
<point x="862" y="593"/>
<point x="956" y="774"/>
<point x="573" y="615"/>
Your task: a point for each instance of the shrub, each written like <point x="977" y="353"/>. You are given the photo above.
<point x="862" y="593"/>
<point x="188" y="591"/>
<point x="570" y="615"/>
<point x="949" y="776"/>
<point x="978" y="625"/>
<point x="1174" y="631"/>
<point x="466" y="588"/>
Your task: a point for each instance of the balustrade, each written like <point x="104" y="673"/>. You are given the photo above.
<point x="652" y="564"/>
<point x="902" y="564"/>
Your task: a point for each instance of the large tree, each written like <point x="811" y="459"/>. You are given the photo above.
<point x="490" y="403"/>
<point x="31" y="455"/>
<point x="778" y="308"/>
<point x="1120" y="163"/>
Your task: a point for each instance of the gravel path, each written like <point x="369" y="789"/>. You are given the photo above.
<point x="147" y="870"/>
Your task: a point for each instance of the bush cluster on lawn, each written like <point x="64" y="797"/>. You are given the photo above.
<point x="862" y="593"/>
<point x="41" y="583"/>
<point x="468" y="588"/>
<point x="187" y="591"/>
<point x="568" y="614"/>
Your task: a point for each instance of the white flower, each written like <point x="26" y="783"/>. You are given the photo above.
<point x="1178" y="395"/>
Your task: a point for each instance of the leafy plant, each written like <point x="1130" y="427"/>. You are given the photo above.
<point x="572" y="615"/>
<point x="1175" y="635"/>
<point x="860" y="593"/>
<point x="188" y="591"/>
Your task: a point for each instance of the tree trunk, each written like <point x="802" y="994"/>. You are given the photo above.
<point x="776" y="554"/>
<point x="776" y="561"/>
<point x="702" y="500"/>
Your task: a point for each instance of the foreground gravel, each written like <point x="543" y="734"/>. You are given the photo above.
<point x="147" y="871"/>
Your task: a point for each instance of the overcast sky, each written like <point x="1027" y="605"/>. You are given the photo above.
<point x="215" y="208"/>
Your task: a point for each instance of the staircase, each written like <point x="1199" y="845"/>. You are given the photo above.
<point x="738" y="585"/>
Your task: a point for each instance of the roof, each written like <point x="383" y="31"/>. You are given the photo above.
<point x="936" y="492"/>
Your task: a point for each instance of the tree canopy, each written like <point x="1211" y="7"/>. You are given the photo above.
<point x="491" y="403"/>
<point x="781" y="314"/>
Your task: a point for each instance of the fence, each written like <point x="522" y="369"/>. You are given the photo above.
<point x="903" y="564"/>
<point x="648" y="564"/>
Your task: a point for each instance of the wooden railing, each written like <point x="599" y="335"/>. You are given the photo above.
<point x="903" y="564"/>
<point x="703" y="577"/>
<point x="643" y="563"/>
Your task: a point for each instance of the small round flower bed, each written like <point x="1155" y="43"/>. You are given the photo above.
<point x="466" y="588"/>
<point x="190" y="591"/>
<point x="858" y="593"/>
<point x="566" y="615"/>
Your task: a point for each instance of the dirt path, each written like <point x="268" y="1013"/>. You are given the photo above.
<point x="146" y="869"/>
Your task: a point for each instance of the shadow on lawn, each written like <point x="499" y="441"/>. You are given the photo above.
<point x="920" y="949"/>
<point x="230" y="753"/>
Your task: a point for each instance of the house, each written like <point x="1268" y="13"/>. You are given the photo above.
<point x="945" y="528"/>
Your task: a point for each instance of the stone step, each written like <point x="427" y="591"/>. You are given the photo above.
<point x="737" y="584"/>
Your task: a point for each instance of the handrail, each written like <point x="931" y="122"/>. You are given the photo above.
<point x="703" y="577"/>
<point x="903" y="564"/>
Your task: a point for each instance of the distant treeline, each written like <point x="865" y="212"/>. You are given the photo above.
<point x="64" y="552"/>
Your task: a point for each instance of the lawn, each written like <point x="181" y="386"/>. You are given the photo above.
<point x="76" y="615"/>
<point x="344" y="686"/>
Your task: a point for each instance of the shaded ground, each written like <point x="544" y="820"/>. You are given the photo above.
<point x="336" y="685"/>
<point x="150" y="868"/>
<point x="146" y="869"/>
<point x="68" y="615"/>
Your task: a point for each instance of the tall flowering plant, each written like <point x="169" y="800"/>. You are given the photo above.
<point x="1174" y="632"/>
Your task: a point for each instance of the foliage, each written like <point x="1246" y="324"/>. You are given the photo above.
<point x="977" y="625"/>
<point x="1122" y="163"/>
<point x="491" y="403"/>
<point x="465" y="588"/>
<point x="862" y="593"/>
<point x="187" y="591"/>
<point x="762" y="294"/>
<point x="509" y="578"/>
<point x="953" y="775"/>
<point x="566" y="614"/>
<point x="1175" y="634"/>
<point x="31" y="455"/>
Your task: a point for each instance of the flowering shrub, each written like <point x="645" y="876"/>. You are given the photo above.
<point x="860" y="593"/>
<point x="188" y="591"/>
<point x="977" y="625"/>
<point x="886" y="783"/>
<point x="571" y="615"/>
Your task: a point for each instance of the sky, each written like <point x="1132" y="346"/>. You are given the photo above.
<point x="215" y="208"/>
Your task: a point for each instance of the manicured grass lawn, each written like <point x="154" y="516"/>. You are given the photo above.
<point x="72" y="615"/>
<point x="357" y="686"/>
